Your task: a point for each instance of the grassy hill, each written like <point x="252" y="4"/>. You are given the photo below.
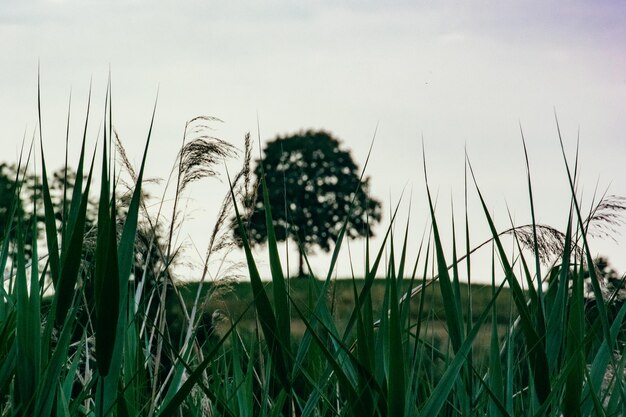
<point x="234" y="300"/>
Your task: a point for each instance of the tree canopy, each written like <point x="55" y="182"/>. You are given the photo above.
<point x="13" y="206"/>
<point x="313" y="185"/>
<point x="15" y="197"/>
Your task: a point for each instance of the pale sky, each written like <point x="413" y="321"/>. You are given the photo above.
<point x="458" y="74"/>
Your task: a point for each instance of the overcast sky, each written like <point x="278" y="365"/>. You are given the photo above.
<point x="457" y="74"/>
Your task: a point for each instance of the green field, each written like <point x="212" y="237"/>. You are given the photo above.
<point x="98" y="325"/>
<point x="236" y="300"/>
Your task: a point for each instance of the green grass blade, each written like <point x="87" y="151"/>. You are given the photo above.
<point x="34" y="302"/>
<point x="343" y="378"/>
<point x="397" y="374"/>
<point x="49" y="217"/>
<point x="403" y="253"/>
<point x="47" y="388"/>
<point x="365" y="333"/>
<point x="70" y="377"/>
<point x="321" y="311"/>
<point x="107" y="296"/>
<point x="439" y="396"/>
<point x="125" y="257"/>
<point x="27" y="328"/>
<point x="70" y="222"/>
<point x="70" y="264"/>
<point x="534" y="343"/>
<point x="452" y="309"/>
<point x="575" y="332"/>
<point x="179" y="374"/>
<point x="264" y="307"/>
<point x="456" y="285"/>
<point x="603" y="357"/>
<point x="370" y="275"/>
<point x="11" y="217"/>
<point x="9" y="363"/>
<point x="587" y="252"/>
<point x="538" y="275"/>
<point x="558" y="306"/>
<point x="106" y="275"/>
<point x="50" y="223"/>
<point x="499" y="408"/>
<point x="282" y="309"/>
<point x="172" y="407"/>
<point x="496" y="384"/>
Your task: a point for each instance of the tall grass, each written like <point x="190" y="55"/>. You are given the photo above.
<point x="101" y="343"/>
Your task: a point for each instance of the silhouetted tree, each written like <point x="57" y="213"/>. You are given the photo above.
<point x="15" y="199"/>
<point x="14" y="205"/>
<point x="313" y="186"/>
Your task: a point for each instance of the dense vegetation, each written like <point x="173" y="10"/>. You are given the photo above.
<point x="102" y="343"/>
